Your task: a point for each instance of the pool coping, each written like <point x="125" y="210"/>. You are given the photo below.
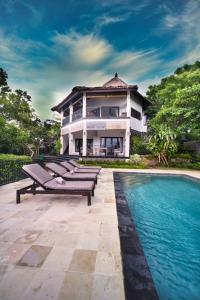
<point x="138" y="282"/>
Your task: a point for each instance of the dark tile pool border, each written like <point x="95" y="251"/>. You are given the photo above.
<point x="138" y="282"/>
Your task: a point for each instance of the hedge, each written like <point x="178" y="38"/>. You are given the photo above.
<point x="11" y="167"/>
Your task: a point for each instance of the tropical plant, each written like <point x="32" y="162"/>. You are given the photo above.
<point x="162" y="143"/>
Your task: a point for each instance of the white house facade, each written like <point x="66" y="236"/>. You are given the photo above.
<point x="99" y="121"/>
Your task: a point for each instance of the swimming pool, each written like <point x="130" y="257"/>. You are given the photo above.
<point x="166" y="212"/>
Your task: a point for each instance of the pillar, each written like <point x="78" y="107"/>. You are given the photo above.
<point x="84" y="139"/>
<point x="128" y="104"/>
<point x="61" y="141"/>
<point x="84" y="104"/>
<point x="127" y="139"/>
<point x="71" y="144"/>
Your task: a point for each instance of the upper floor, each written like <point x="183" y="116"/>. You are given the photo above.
<point x="115" y="100"/>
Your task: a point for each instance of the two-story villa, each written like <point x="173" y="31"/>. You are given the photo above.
<point x="98" y="121"/>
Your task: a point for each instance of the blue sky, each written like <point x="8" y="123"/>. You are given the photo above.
<point x="49" y="46"/>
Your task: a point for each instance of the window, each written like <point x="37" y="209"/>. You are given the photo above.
<point x="111" y="144"/>
<point x="94" y="113"/>
<point x="135" y="114"/>
<point x="79" y="145"/>
<point x="107" y="111"/>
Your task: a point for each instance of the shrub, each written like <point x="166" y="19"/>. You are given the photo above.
<point x="13" y="157"/>
<point x="183" y="155"/>
<point x="138" y="145"/>
<point x="11" y="167"/>
<point x="120" y="164"/>
<point x="135" y="159"/>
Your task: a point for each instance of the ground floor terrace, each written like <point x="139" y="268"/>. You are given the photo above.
<point x="56" y="247"/>
<point x="99" y="143"/>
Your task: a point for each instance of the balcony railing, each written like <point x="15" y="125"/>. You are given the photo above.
<point x="77" y="114"/>
<point x="65" y="121"/>
<point x="105" y="112"/>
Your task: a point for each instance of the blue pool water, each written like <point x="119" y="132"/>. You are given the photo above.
<point x="166" y="212"/>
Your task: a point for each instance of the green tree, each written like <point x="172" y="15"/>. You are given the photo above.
<point x="18" y="116"/>
<point x="165" y="93"/>
<point x="162" y="143"/>
<point x="175" y="112"/>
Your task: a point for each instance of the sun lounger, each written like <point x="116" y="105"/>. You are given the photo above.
<point x="42" y="179"/>
<point x="77" y="165"/>
<point x="61" y="171"/>
<point x="69" y="167"/>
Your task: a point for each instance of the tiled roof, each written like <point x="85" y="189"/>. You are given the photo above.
<point x="115" y="85"/>
<point x="115" y="82"/>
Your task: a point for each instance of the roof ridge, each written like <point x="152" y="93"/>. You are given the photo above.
<point x="115" y="82"/>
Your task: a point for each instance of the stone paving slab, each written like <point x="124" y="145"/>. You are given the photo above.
<point x="82" y="257"/>
<point x="57" y="247"/>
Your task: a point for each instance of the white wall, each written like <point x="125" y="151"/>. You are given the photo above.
<point x="136" y="124"/>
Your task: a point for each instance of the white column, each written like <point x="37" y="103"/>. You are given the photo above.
<point x="71" y="144"/>
<point x="61" y="141"/>
<point x="127" y="140"/>
<point x="70" y="113"/>
<point x="128" y="104"/>
<point x="61" y="137"/>
<point x="84" y="104"/>
<point x="84" y="139"/>
<point x="61" y="118"/>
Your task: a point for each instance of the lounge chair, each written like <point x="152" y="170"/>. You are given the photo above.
<point x="77" y="165"/>
<point x="69" y="167"/>
<point x="61" y="171"/>
<point x="42" y="179"/>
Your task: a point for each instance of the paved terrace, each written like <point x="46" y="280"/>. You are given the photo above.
<point x="56" y="247"/>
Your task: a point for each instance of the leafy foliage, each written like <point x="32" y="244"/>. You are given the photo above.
<point x="175" y="111"/>
<point x="162" y="143"/>
<point x="139" y="145"/>
<point x="22" y="131"/>
<point x="11" y="168"/>
<point x="120" y="164"/>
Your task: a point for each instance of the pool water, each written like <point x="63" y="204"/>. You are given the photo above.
<point x="166" y="212"/>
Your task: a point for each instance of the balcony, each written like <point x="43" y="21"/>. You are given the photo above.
<point x="65" y="121"/>
<point x="77" y="115"/>
<point x="105" y="112"/>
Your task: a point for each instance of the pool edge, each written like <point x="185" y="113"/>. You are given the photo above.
<point x="138" y="282"/>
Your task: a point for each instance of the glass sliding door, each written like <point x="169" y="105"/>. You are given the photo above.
<point x="112" y="145"/>
<point x="110" y="111"/>
<point x="79" y="146"/>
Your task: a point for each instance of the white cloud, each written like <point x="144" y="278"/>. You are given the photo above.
<point x="72" y="59"/>
<point x="87" y="49"/>
<point x="106" y="20"/>
<point x="186" y="23"/>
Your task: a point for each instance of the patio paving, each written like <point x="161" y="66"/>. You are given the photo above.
<point x="56" y="247"/>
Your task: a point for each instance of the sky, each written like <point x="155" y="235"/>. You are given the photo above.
<point x="47" y="47"/>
